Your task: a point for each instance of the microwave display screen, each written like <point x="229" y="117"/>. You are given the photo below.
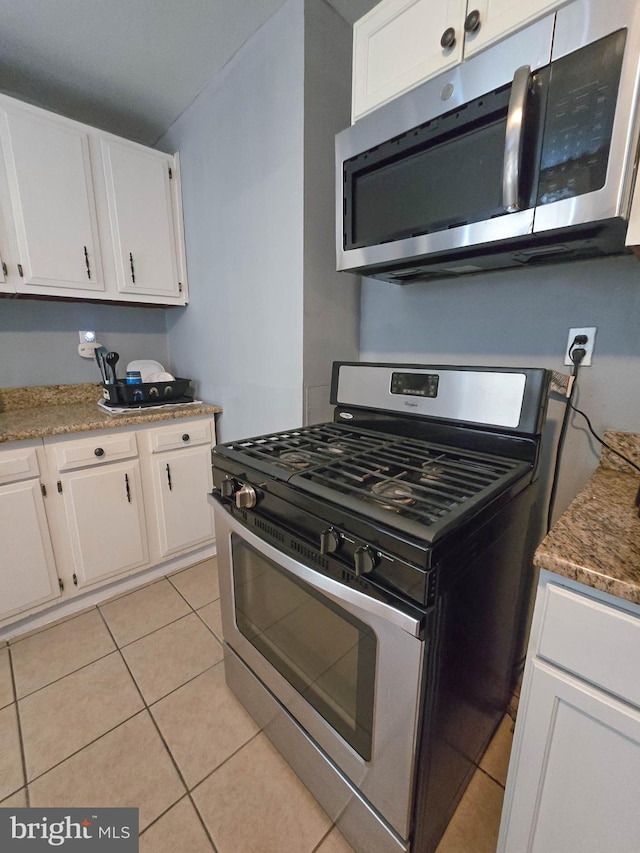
<point x="583" y="90"/>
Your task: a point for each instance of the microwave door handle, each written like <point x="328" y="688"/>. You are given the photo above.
<point x="513" y="139"/>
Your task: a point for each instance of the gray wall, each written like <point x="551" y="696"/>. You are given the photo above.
<point x="39" y="339"/>
<point x="241" y="150"/>
<point x="331" y="299"/>
<point x="522" y="318"/>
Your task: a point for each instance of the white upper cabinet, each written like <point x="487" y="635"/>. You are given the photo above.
<point x="139" y="194"/>
<point x="49" y="172"/>
<point x="397" y="45"/>
<point x="401" y="43"/>
<point x="94" y="216"/>
<point x="488" y="21"/>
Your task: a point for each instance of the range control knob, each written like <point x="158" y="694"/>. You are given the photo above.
<point x="365" y="560"/>
<point x="246" y="497"/>
<point x="227" y="487"/>
<point x="330" y="541"/>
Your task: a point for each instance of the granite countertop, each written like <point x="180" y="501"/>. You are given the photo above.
<point x="597" y="539"/>
<point x="46" y="410"/>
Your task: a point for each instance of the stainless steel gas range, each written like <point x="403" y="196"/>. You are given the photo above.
<point x="373" y="577"/>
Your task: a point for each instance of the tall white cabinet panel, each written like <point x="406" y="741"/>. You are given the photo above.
<point x="138" y="187"/>
<point x="28" y="575"/>
<point x="106" y="521"/>
<point x="49" y="173"/>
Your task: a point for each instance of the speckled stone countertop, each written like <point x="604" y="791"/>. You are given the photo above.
<point x="45" y="410"/>
<point x="597" y="539"/>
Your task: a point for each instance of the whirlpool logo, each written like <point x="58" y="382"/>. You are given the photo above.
<point x="31" y="830"/>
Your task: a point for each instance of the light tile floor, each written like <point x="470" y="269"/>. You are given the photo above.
<point x="126" y="704"/>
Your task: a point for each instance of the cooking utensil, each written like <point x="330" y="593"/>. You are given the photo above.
<point x="112" y="359"/>
<point x="100" y="353"/>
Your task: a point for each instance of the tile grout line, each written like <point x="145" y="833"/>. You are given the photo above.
<point x="165" y="744"/>
<point x="113" y="728"/>
<point x="493" y="778"/>
<point x="20" y="736"/>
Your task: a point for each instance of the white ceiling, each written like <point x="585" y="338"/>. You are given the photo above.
<point x="128" y="66"/>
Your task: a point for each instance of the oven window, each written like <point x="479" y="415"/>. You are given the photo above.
<point x="325" y="653"/>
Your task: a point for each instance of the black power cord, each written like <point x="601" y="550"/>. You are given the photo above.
<point x="576" y="354"/>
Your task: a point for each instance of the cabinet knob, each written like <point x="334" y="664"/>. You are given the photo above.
<point x="99" y="451"/>
<point x="472" y="22"/>
<point x="186" y="436"/>
<point x="448" y="38"/>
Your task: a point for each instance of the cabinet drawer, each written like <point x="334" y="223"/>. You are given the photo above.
<point x="96" y="450"/>
<point x="185" y="434"/>
<point x="18" y="465"/>
<point x="593" y="640"/>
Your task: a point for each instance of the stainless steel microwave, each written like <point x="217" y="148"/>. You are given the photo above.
<point x="524" y="154"/>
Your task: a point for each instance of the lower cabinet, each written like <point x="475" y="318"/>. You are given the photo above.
<point x="106" y="521"/>
<point x="28" y="575"/>
<point x="573" y="781"/>
<point x="80" y="512"/>
<point x="179" y="477"/>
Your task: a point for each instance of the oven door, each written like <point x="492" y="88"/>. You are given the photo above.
<point x="346" y="667"/>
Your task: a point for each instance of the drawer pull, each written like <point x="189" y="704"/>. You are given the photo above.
<point x="86" y="262"/>
<point x="99" y="451"/>
<point x="126" y="482"/>
<point x="186" y="436"/>
<point x="169" y="477"/>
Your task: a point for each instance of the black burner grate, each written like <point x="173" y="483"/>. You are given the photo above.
<point x="407" y="483"/>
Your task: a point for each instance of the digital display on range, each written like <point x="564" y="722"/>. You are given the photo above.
<point x="415" y="384"/>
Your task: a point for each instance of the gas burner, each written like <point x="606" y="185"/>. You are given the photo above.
<point x="334" y="449"/>
<point x="431" y="472"/>
<point x="393" y="494"/>
<point x="297" y="458"/>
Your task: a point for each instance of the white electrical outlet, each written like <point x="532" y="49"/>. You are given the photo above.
<point x="590" y="333"/>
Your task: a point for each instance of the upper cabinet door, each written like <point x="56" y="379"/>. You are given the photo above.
<point x="488" y="21"/>
<point x="399" y="44"/>
<point x="139" y="196"/>
<point x="49" y="173"/>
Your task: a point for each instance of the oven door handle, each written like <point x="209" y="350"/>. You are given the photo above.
<point x="339" y="593"/>
<point x="513" y="139"/>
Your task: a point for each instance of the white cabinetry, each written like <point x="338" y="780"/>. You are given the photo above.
<point x="402" y="43"/>
<point x="49" y="172"/>
<point x="95" y="216"/>
<point x="142" y="230"/>
<point x="575" y="764"/>
<point x="103" y="505"/>
<point x="118" y="502"/>
<point x="180" y="472"/>
<point x="28" y="576"/>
